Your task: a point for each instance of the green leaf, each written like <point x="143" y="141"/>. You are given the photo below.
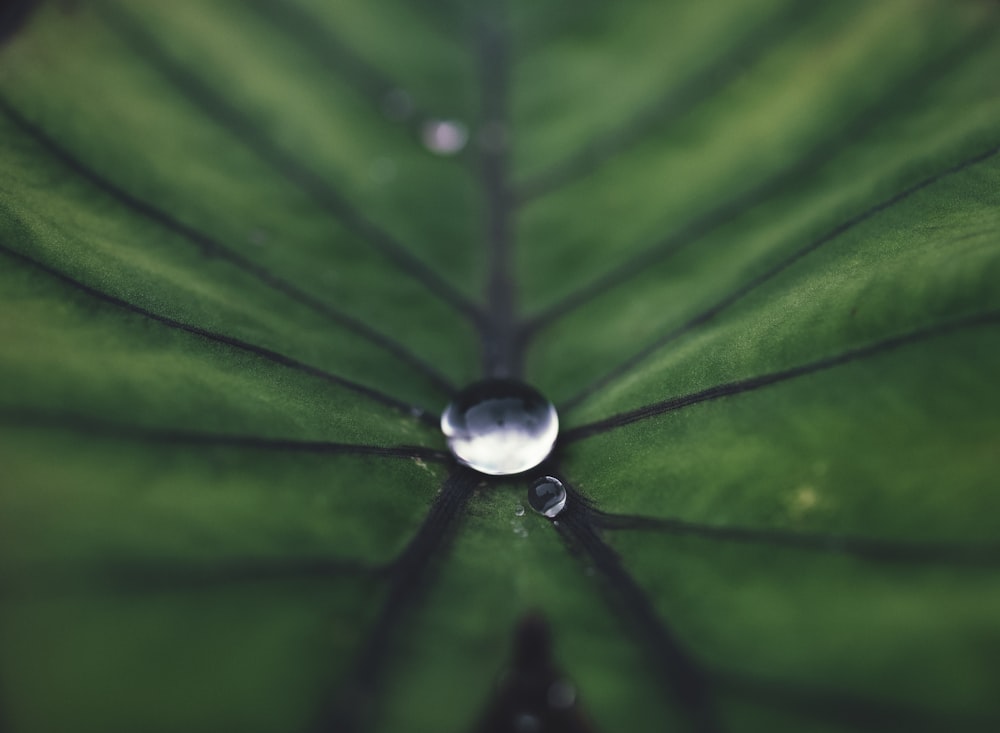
<point x="750" y="249"/>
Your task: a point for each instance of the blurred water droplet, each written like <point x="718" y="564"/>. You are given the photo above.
<point x="444" y="137"/>
<point x="500" y="427"/>
<point x="547" y="496"/>
<point x="382" y="170"/>
<point x="561" y="695"/>
<point x="519" y="511"/>
<point x="397" y="104"/>
<point x="259" y="237"/>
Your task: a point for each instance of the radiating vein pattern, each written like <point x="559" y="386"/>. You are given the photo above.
<point x="730" y="209"/>
<point x="502" y="344"/>
<point x="672" y="105"/>
<point x="99" y="428"/>
<point x="687" y="682"/>
<point x="340" y="59"/>
<point x="234" y="343"/>
<point x="766" y="380"/>
<point x="872" y="548"/>
<point x="214" y="106"/>
<point x="354" y="703"/>
<point x="741" y="292"/>
<point x="124" y="488"/>
<point x="213" y="248"/>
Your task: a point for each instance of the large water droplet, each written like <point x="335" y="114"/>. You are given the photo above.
<point x="500" y="426"/>
<point x="444" y="137"/>
<point x="547" y="496"/>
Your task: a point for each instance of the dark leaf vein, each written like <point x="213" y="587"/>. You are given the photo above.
<point x="729" y="389"/>
<point x="212" y="247"/>
<point x="234" y="343"/>
<point x="92" y="427"/>
<point x="409" y="577"/>
<point x="866" y="547"/>
<point x="898" y="99"/>
<point x="768" y="275"/>
<point x="146" y="47"/>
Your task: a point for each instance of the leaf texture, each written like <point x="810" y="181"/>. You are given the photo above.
<point x="750" y="250"/>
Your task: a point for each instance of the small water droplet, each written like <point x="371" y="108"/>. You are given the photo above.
<point x="561" y="695"/>
<point x="444" y="137"/>
<point x="547" y="496"/>
<point x="397" y="104"/>
<point x="527" y="723"/>
<point x="500" y="427"/>
<point x="519" y="511"/>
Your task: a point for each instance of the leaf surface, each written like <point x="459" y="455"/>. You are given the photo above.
<point x="750" y="250"/>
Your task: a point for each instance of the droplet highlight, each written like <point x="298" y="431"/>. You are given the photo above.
<point x="444" y="137"/>
<point x="547" y="496"/>
<point x="500" y="427"/>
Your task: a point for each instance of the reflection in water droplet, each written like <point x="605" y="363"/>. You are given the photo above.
<point x="444" y="137"/>
<point x="397" y="104"/>
<point x="500" y="427"/>
<point x="561" y="695"/>
<point x="527" y="723"/>
<point x="519" y="511"/>
<point x="547" y="496"/>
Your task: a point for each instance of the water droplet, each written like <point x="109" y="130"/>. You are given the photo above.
<point x="527" y="723"/>
<point x="444" y="137"/>
<point x="519" y="511"/>
<point x="547" y="496"/>
<point x="561" y="695"/>
<point x="500" y="427"/>
<point x="397" y="104"/>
